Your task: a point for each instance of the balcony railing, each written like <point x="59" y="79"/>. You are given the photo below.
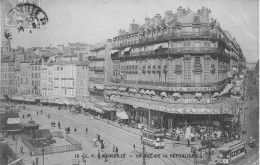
<point x="182" y="84"/>
<point x="97" y="79"/>
<point x="167" y="37"/>
<point x="96" y="68"/>
<point x="166" y="51"/>
<point x="192" y="50"/>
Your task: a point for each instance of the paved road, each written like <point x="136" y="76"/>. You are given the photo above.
<point x="251" y="120"/>
<point x="112" y="135"/>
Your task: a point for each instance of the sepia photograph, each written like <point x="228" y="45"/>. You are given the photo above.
<point x="129" y="82"/>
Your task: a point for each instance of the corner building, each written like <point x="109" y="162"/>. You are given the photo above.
<point x="176" y="71"/>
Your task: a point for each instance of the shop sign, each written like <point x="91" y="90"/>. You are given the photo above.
<point x="167" y="109"/>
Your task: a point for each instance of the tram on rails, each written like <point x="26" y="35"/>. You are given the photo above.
<point x="153" y="138"/>
<point x="231" y="152"/>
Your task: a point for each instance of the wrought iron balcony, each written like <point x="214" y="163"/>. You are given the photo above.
<point x="197" y="69"/>
<point x="169" y="84"/>
<point x="93" y="68"/>
<point x="97" y="79"/>
<point x="166" y="37"/>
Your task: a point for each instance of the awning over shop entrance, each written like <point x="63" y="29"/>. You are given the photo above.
<point x="122" y="115"/>
<point x="218" y="108"/>
<point x="13" y="121"/>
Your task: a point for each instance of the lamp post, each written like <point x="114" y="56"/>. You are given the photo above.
<point x="43" y="150"/>
<point x="143" y="163"/>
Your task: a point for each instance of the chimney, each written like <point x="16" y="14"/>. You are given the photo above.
<point x="157" y="19"/>
<point x="121" y="32"/>
<point x="133" y="27"/>
<point x="147" y="22"/>
<point x="179" y="12"/>
<point x="168" y="16"/>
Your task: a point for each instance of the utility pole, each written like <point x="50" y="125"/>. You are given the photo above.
<point x="143" y="163"/>
<point x="43" y="150"/>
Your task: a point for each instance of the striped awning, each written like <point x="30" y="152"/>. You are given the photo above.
<point x="152" y="93"/>
<point x="147" y="92"/>
<point x="215" y="94"/>
<point x="122" y="88"/>
<point x="164" y="94"/>
<point x="114" y="51"/>
<point x="176" y="95"/>
<point x="142" y="91"/>
<point x="198" y="94"/>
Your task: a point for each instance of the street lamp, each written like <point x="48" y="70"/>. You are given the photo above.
<point x="43" y="150"/>
<point x="143" y="163"/>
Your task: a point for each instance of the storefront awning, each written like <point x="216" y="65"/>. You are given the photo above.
<point x="147" y="92"/>
<point x="152" y="93"/>
<point x="122" y="89"/>
<point x="114" y="51"/>
<point x="99" y="87"/>
<point x="127" y="49"/>
<point x="198" y="94"/>
<point x="176" y="95"/>
<point x="122" y="115"/>
<point x="13" y="121"/>
<point x="164" y="94"/>
<point x="215" y="94"/>
<point x="229" y="75"/>
<point x="218" y="108"/>
<point x="134" y="91"/>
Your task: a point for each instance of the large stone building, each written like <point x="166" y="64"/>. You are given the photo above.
<point x="25" y="76"/>
<point x="170" y="71"/>
<point x="36" y="78"/>
<point x="82" y="78"/>
<point x="7" y="76"/>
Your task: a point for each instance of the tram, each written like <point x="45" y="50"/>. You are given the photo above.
<point x="153" y="138"/>
<point x="231" y="152"/>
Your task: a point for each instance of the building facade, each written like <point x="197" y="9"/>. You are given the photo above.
<point x="64" y="80"/>
<point x="25" y="76"/>
<point x="36" y="78"/>
<point x="82" y="79"/>
<point x="7" y="76"/>
<point x="100" y="69"/>
<point x="169" y="72"/>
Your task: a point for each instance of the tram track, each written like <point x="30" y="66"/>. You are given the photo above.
<point x="119" y="132"/>
<point x="130" y="138"/>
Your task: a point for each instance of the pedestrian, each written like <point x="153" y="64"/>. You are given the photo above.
<point x="188" y="145"/>
<point x="59" y="125"/>
<point x="86" y="129"/>
<point x="54" y="123"/>
<point x="134" y="147"/>
<point x="99" y="155"/>
<point x="37" y="112"/>
<point x="98" y="137"/>
<point x="23" y="116"/>
<point x="116" y="150"/>
<point x="75" y="130"/>
<point x="41" y="111"/>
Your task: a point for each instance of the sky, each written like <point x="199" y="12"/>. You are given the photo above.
<point x="94" y="21"/>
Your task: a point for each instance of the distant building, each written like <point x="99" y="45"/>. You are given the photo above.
<point x="36" y="78"/>
<point x="25" y="76"/>
<point x="7" y="82"/>
<point x="251" y="65"/>
<point x="82" y="81"/>
<point x="64" y="80"/>
<point x="17" y="81"/>
<point x="100" y="68"/>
